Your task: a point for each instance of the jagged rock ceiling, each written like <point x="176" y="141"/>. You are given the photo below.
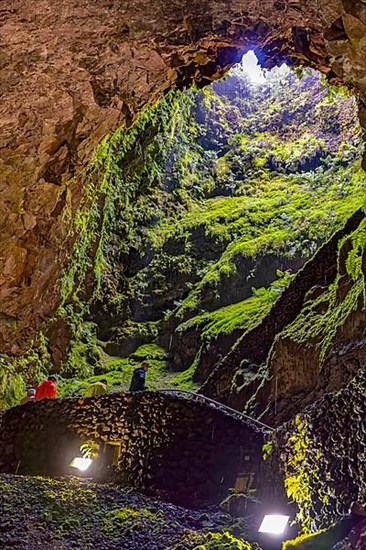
<point x="72" y="70"/>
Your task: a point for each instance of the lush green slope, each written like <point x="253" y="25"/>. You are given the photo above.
<point x="252" y="180"/>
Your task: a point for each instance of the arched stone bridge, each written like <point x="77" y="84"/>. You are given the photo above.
<point x="188" y="450"/>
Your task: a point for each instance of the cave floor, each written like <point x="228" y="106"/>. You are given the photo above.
<point x="73" y="513"/>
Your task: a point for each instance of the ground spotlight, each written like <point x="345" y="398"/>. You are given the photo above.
<point x="80" y="463"/>
<point x="274" y="524"/>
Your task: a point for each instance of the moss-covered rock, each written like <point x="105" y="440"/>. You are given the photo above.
<point x="76" y="513"/>
<point x="223" y="541"/>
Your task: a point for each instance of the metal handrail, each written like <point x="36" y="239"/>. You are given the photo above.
<point x="241" y="415"/>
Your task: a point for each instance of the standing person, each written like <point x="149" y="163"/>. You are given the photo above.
<point x="47" y="389"/>
<point x="31" y="394"/>
<point x="139" y="377"/>
<point x="98" y="388"/>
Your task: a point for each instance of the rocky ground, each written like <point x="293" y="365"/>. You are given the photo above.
<point x="55" y="514"/>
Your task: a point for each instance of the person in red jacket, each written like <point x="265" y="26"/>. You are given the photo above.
<point x="47" y="389"/>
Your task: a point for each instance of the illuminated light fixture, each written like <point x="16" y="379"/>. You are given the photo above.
<point x="274" y="524"/>
<point x="81" y="463"/>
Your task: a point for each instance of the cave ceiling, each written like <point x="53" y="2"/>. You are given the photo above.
<point x="73" y="70"/>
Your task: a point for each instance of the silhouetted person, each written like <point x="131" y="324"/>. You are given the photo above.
<point x="98" y="388"/>
<point x="139" y="377"/>
<point x="47" y="389"/>
<point x="31" y="395"/>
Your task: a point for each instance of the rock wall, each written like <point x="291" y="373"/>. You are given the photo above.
<point x="254" y="346"/>
<point x="71" y="71"/>
<point x="323" y="452"/>
<point x="324" y="349"/>
<point x="186" y="451"/>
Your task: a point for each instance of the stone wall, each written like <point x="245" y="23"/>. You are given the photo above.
<point x="187" y="451"/>
<point x="323" y="455"/>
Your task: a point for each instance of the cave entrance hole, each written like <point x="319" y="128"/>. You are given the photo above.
<point x="223" y="196"/>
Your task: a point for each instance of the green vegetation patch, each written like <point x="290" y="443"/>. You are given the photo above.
<point x="150" y="351"/>
<point x="73" y="513"/>
<point x="122" y="520"/>
<point x="12" y="385"/>
<point x="286" y="216"/>
<point x="19" y="372"/>
<point x="319" y="541"/>
<point x="321" y="318"/>
<point x="298" y="484"/>
<point x="62" y="495"/>
<point x="118" y="373"/>
<point x="223" y="541"/>
<point x="202" y="190"/>
<point x="243" y="315"/>
<point x="302" y="472"/>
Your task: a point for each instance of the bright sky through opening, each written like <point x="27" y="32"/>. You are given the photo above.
<point x="252" y="69"/>
<point x="250" y="66"/>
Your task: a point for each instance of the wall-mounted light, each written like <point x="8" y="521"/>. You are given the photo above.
<point x="81" y="463"/>
<point x="274" y="524"/>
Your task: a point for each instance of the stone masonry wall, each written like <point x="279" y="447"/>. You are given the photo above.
<point x="185" y="450"/>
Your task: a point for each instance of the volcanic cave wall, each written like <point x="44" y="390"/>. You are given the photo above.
<point x="322" y="452"/>
<point x="73" y="71"/>
<point x="184" y="450"/>
<point x="254" y="346"/>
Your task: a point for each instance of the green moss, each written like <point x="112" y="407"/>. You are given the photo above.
<point x="355" y="256"/>
<point x="147" y="189"/>
<point x="322" y="318"/>
<point x="67" y="526"/>
<point x="76" y="513"/>
<point x="150" y="351"/>
<point x="84" y="352"/>
<point x="309" y="542"/>
<point x="121" y="520"/>
<point x="62" y="503"/>
<point x="298" y="484"/>
<point x="109" y="182"/>
<point x="302" y="472"/>
<point x="187" y="539"/>
<point x="223" y="541"/>
<point x="114" y="200"/>
<point x="27" y="370"/>
<point x="287" y="215"/>
<point x="184" y="380"/>
<point x="132" y="329"/>
<point x="118" y="373"/>
<point x="62" y="495"/>
<point x="243" y="315"/>
<point x="267" y="449"/>
<point x="12" y="385"/>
